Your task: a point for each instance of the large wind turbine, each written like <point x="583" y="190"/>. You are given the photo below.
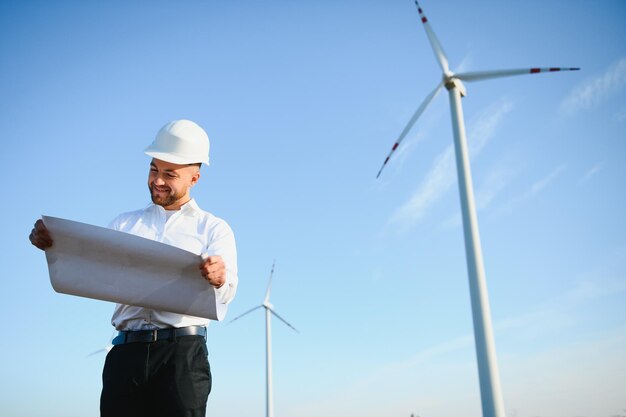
<point x="269" y="310"/>
<point x="491" y="396"/>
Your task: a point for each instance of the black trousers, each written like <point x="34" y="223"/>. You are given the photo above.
<point x="168" y="378"/>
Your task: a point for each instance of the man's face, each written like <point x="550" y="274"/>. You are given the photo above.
<point x="170" y="184"/>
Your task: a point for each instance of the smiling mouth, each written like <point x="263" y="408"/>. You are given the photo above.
<point x="157" y="190"/>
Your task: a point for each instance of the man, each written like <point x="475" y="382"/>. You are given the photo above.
<point x="159" y="365"/>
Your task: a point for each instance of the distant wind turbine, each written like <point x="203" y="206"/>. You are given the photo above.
<point x="269" y="310"/>
<point x="491" y="396"/>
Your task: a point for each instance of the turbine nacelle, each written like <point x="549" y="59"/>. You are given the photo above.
<point x="451" y="82"/>
<point x="267" y="304"/>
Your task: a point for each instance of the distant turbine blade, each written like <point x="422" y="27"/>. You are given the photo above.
<point x="103" y="350"/>
<point x="283" y="320"/>
<point x="249" y="311"/>
<point x="487" y="75"/>
<point x="434" y="42"/>
<point x="269" y="283"/>
<point x="409" y="125"/>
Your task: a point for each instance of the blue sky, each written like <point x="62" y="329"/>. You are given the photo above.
<point x="302" y="101"/>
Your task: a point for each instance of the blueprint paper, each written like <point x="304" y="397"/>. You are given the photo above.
<point x="96" y="262"/>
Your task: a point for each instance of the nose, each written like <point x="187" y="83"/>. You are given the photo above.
<point x="159" y="181"/>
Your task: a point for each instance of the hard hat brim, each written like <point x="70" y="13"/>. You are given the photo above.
<point x="173" y="158"/>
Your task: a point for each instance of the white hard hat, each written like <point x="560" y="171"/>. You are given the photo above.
<point x="180" y="142"/>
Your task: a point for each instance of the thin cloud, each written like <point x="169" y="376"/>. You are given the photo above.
<point x="559" y="313"/>
<point x="485" y="127"/>
<point x="536" y="188"/>
<point x="437" y="182"/>
<point x="597" y="90"/>
<point x="486" y="192"/>
<point x="606" y="278"/>
<point x="592" y="172"/>
<point x="543" y="183"/>
<point x="494" y="183"/>
<point x="441" y="175"/>
<point x="462" y="342"/>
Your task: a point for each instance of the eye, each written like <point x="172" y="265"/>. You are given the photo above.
<point x="170" y="175"/>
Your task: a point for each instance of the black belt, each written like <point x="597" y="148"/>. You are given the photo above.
<point x="147" y="336"/>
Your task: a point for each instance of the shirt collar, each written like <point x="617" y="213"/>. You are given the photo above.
<point x="189" y="207"/>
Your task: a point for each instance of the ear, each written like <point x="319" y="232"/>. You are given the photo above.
<point x="195" y="178"/>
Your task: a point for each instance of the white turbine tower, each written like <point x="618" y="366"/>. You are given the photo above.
<point x="269" y="310"/>
<point x="491" y="396"/>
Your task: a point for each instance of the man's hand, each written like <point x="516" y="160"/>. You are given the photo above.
<point x="214" y="270"/>
<point x="40" y="236"/>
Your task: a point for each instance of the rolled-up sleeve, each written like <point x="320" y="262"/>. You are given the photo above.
<point x="222" y="243"/>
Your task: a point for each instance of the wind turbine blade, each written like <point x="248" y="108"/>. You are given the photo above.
<point x="487" y="75"/>
<point x="249" y="311"/>
<point x="105" y="350"/>
<point x="269" y="283"/>
<point x="409" y="125"/>
<point x="434" y="42"/>
<point x="283" y="320"/>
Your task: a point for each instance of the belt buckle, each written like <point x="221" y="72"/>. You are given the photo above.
<point x="154" y="334"/>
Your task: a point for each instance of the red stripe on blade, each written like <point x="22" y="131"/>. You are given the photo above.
<point x="424" y="20"/>
<point x="395" y="145"/>
<point x="535" y="70"/>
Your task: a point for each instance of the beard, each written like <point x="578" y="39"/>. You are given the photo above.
<point x="164" y="201"/>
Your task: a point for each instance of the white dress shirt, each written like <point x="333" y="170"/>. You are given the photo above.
<point x="189" y="228"/>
